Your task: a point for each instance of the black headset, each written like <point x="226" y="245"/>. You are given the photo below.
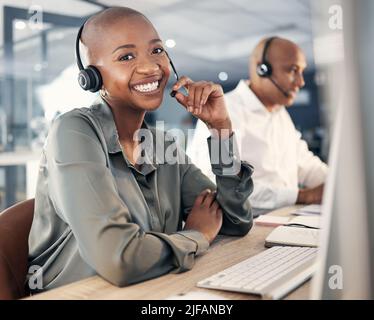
<point x="89" y="78"/>
<point x="265" y="69"/>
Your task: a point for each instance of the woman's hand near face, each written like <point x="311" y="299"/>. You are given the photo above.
<point x="205" y="101"/>
<point x="205" y="216"/>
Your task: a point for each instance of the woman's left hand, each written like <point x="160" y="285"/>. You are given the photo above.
<point x="205" y="101"/>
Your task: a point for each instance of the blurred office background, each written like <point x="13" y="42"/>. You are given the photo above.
<point x="207" y="39"/>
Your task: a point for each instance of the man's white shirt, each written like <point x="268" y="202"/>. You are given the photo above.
<point x="269" y="142"/>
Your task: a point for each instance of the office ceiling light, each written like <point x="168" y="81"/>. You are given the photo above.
<point x="38" y="67"/>
<point x="20" y="25"/>
<point x="223" y="76"/>
<point x="170" y="43"/>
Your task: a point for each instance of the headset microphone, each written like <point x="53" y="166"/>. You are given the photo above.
<point x="174" y="92"/>
<point x="265" y="69"/>
<point x="285" y="93"/>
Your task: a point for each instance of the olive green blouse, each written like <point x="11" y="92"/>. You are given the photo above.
<point x="95" y="213"/>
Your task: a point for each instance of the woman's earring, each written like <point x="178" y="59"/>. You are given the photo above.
<point x="103" y="92"/>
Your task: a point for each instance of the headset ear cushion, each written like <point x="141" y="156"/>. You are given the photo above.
<point x="264" y="70"/>
<point x="96" y="80"/>
<point x="90" y="79"/>
<point x="84" y="79"/>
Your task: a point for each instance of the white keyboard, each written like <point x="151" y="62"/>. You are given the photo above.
<point x="272" y="273"/>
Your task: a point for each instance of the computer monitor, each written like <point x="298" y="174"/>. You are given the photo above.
<point x="346" y="269"/>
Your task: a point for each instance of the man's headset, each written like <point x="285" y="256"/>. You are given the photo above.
<point x="265" y="69"/>
<point x="89" y="77"/>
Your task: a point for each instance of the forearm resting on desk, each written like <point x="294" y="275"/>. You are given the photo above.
<point x="310" y="196"/>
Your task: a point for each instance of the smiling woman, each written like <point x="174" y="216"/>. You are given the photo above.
<point x="133" y="65"/>
<point x="98" y="210"/>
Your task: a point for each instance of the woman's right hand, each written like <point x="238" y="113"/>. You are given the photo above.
<point x="205" y="100"/>
<point x="205" y="216"/>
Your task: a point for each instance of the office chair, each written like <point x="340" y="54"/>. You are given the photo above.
<point x="15" y="225"/>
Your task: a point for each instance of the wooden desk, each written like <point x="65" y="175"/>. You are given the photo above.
<point x="224" y="252"/>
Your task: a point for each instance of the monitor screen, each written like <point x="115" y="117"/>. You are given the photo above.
<point x="345" y="263"/>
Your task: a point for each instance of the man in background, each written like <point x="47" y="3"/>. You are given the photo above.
<point x="286" y="172"/>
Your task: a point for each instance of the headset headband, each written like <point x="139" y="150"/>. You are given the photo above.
<point x="266" y="48"/>
<point x="77" y="52"/>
